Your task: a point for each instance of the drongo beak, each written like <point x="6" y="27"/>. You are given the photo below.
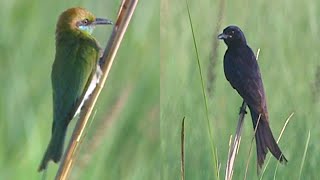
<point x="223" y="36"/>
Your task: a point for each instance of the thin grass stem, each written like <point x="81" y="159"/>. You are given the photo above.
<point x="213" y="147"/>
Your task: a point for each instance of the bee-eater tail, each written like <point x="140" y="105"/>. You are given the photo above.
<point x="55" y="148"/>
<point x="265" y="141"/>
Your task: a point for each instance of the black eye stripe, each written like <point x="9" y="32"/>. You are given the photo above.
<point x="83" y="22"/>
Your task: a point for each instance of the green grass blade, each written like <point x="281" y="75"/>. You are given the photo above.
<point x="304" y="154"/>
<point x="213" y="147"/>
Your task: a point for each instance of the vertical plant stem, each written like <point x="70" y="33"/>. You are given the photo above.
<point x="304" y="154"/>
<point x="182" y="151"/>
<point x="213" y="148"/>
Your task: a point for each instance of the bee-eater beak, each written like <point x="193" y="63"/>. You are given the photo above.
<point x="101" y="21"/>
<point x="223" y="36"/>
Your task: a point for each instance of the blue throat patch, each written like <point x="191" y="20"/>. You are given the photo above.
<point x="88" y="29"/>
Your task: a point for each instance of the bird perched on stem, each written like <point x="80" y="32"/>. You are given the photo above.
<point x="242" y="71"/>
<point x="75" y="73"/>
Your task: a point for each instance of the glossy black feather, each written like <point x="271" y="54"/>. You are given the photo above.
<point x="242" y="71"/>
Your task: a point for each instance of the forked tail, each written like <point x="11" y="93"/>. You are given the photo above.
<point x="265" y="140"/>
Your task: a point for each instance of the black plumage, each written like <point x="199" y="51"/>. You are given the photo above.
<point x="242" y="71"/>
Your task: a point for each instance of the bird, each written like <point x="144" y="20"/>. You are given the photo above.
<point x="242" y="71"/>
<point x="74" y="75"/>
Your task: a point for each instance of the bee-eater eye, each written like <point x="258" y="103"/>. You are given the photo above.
<point x="85" y="22"/>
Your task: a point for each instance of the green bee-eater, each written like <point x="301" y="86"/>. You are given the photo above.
<point x="75" y="72"/>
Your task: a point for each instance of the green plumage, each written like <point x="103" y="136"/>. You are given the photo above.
<point x="74" y="67"/>
<point x="72" y="71"/>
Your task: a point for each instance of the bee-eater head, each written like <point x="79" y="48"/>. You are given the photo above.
<point x="79" y="19"/>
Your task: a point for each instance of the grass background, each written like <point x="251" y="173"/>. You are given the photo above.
<point x="123" y="140"/>
<point x="287" y="33"/>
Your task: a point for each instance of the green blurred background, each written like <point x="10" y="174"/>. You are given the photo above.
<point x="123" y="140"/>
<point x="288" y="34"/>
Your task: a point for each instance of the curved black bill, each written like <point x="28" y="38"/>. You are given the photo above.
<point x="102" y="21"/>
<point x="222" y="36"/>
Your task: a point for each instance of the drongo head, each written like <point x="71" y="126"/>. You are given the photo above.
<point x="233" y="36"/>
